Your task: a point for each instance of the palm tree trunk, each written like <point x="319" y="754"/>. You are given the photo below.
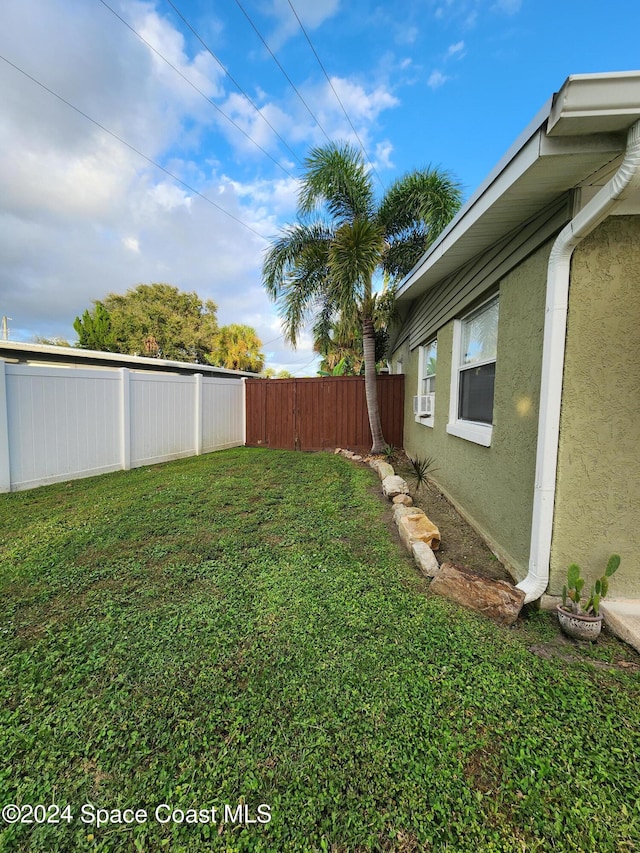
<point x="370" y="385"/>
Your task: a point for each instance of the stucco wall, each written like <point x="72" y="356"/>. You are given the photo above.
<point x="492" y="485"/>
<point x="597" y="508"/>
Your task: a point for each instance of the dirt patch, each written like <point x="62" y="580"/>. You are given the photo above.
<point x="460" y="542"/>
<point x="558" y="651"/>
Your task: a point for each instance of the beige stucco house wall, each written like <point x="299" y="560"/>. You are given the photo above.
<point x="597" y="507"/>
<point x="553" y="477"/>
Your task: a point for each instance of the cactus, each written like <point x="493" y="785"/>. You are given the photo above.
<point x="573" y="588"/>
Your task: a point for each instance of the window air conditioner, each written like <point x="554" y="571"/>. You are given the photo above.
<point x="423" y="405"/>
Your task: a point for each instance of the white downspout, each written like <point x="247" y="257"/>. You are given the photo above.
<point x="592" y="214"/>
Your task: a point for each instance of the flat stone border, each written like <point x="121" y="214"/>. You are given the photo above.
<point x="496" y="600"/>
<point x="419" y="535"/>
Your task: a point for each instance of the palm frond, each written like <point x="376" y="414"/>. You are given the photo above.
<point x="336" y="178"/>
<point x="354" y="254"/>
<point x="403" y="254"/>
<point x="426" y="200"/>
<point x="295" y="242"/>
<point x="294" y="272"/>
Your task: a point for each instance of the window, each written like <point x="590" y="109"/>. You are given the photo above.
<point x="475" y="341"/>
<point x="424" y="401"/>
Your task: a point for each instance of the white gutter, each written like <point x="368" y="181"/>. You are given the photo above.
<point x="592" y="214"/>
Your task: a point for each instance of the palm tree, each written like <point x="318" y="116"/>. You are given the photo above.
<point x="324" y="264"/>
<point x="238" y="347"/>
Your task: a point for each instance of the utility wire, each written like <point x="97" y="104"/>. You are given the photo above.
<point x="233" y="80"/>
<point x="193" y="86"/>
<point x="288" y="79"/>
<point x="133" y="148"/>
<point x="306" y="365"/>
<point x="373" y="168"/>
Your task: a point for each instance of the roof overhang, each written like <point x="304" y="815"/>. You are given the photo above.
<point x="45" y="354"/>
<point x="577" y="140"/>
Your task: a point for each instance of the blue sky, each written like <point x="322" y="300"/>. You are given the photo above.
<point x="449" y="83"/>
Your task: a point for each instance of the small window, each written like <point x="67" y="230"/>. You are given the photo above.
<point x="473" y="375"/>
<point x="424" y="401"/>
<point x="429" y="361"/>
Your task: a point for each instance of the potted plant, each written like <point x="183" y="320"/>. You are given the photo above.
<point x="578" y="621"/>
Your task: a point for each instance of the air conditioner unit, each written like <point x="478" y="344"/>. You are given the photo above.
<point x="423" y="405"/>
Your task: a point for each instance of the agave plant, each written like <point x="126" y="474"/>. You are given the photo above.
<point x="419" y="470"/>
<point x="572" y="590"/>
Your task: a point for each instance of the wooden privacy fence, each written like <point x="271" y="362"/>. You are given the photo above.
<point x="320" y="413"/>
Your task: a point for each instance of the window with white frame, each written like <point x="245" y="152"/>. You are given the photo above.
<point x="424" y="401"/>
<point x="475" y="342"/>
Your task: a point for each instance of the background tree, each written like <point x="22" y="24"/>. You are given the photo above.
<point x="51" y="342"/>
<point x="324" y="264"/>
<point x="238" y="347"/>
<point x="270" y="373"/>
<point x="341" y="345"/>
<point x="155" y="320"/>
<point x="94" y="330"/>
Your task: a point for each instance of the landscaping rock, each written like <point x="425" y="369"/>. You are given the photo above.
<point x="393" y="485"/>
<point x="425" y="559"/>
<point x="383" y="468"/>
<point x="416" y="527"/>
<point x="337" y="450"/>
<point x="497" y="600"/>
<point x="405" y="500"/>
<point x="399" y="511"/>
<point x="356" y="458"/>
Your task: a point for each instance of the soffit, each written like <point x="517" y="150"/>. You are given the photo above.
<point x="513" y="200"/>
<point x="584" y="150"/>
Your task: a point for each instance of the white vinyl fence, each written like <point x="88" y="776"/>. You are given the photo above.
<point x="61" y="423"/>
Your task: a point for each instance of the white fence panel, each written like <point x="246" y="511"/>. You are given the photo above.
<point x="162" y="417"/>
<point x="61" y="423"/>
<point x="222" y="413"/>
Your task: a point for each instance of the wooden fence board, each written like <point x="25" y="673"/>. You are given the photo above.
<point x="321" y="413"/>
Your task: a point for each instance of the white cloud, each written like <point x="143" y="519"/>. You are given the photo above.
<point x="383" y="155"/>
<point x="456" y="49"/>
<point x="82" y="215"/>
<point x="312" y="14"/>
<point x="509" y="7"/>
<point x="407" y="35"/>
<point x="436" y="79"/>
<point x="131" y="243"/>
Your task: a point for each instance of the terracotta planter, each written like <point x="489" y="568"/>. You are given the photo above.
<point x="579" y="627"/>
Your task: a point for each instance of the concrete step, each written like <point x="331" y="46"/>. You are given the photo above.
<point x="623" y="618"/>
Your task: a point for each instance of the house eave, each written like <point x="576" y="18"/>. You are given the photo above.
<point x="575" y="141"/>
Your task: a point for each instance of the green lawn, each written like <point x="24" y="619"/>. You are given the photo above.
<point x="241" y="628"/>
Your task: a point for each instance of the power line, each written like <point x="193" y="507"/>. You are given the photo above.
<point x="233" y="80"/>
<point x="307" y="365"/>
<point x="133" y="148"/>
<point x="335" y="93"/>
<point x="275" y="59"/>
<point x="193" y="86"/>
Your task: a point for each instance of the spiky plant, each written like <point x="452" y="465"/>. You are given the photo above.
<point x="419" y="469"/>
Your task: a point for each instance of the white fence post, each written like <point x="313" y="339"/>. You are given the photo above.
<point x="198" y="413"/>
<point x="125" y="418"/>
<point x="5" y="459"/>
